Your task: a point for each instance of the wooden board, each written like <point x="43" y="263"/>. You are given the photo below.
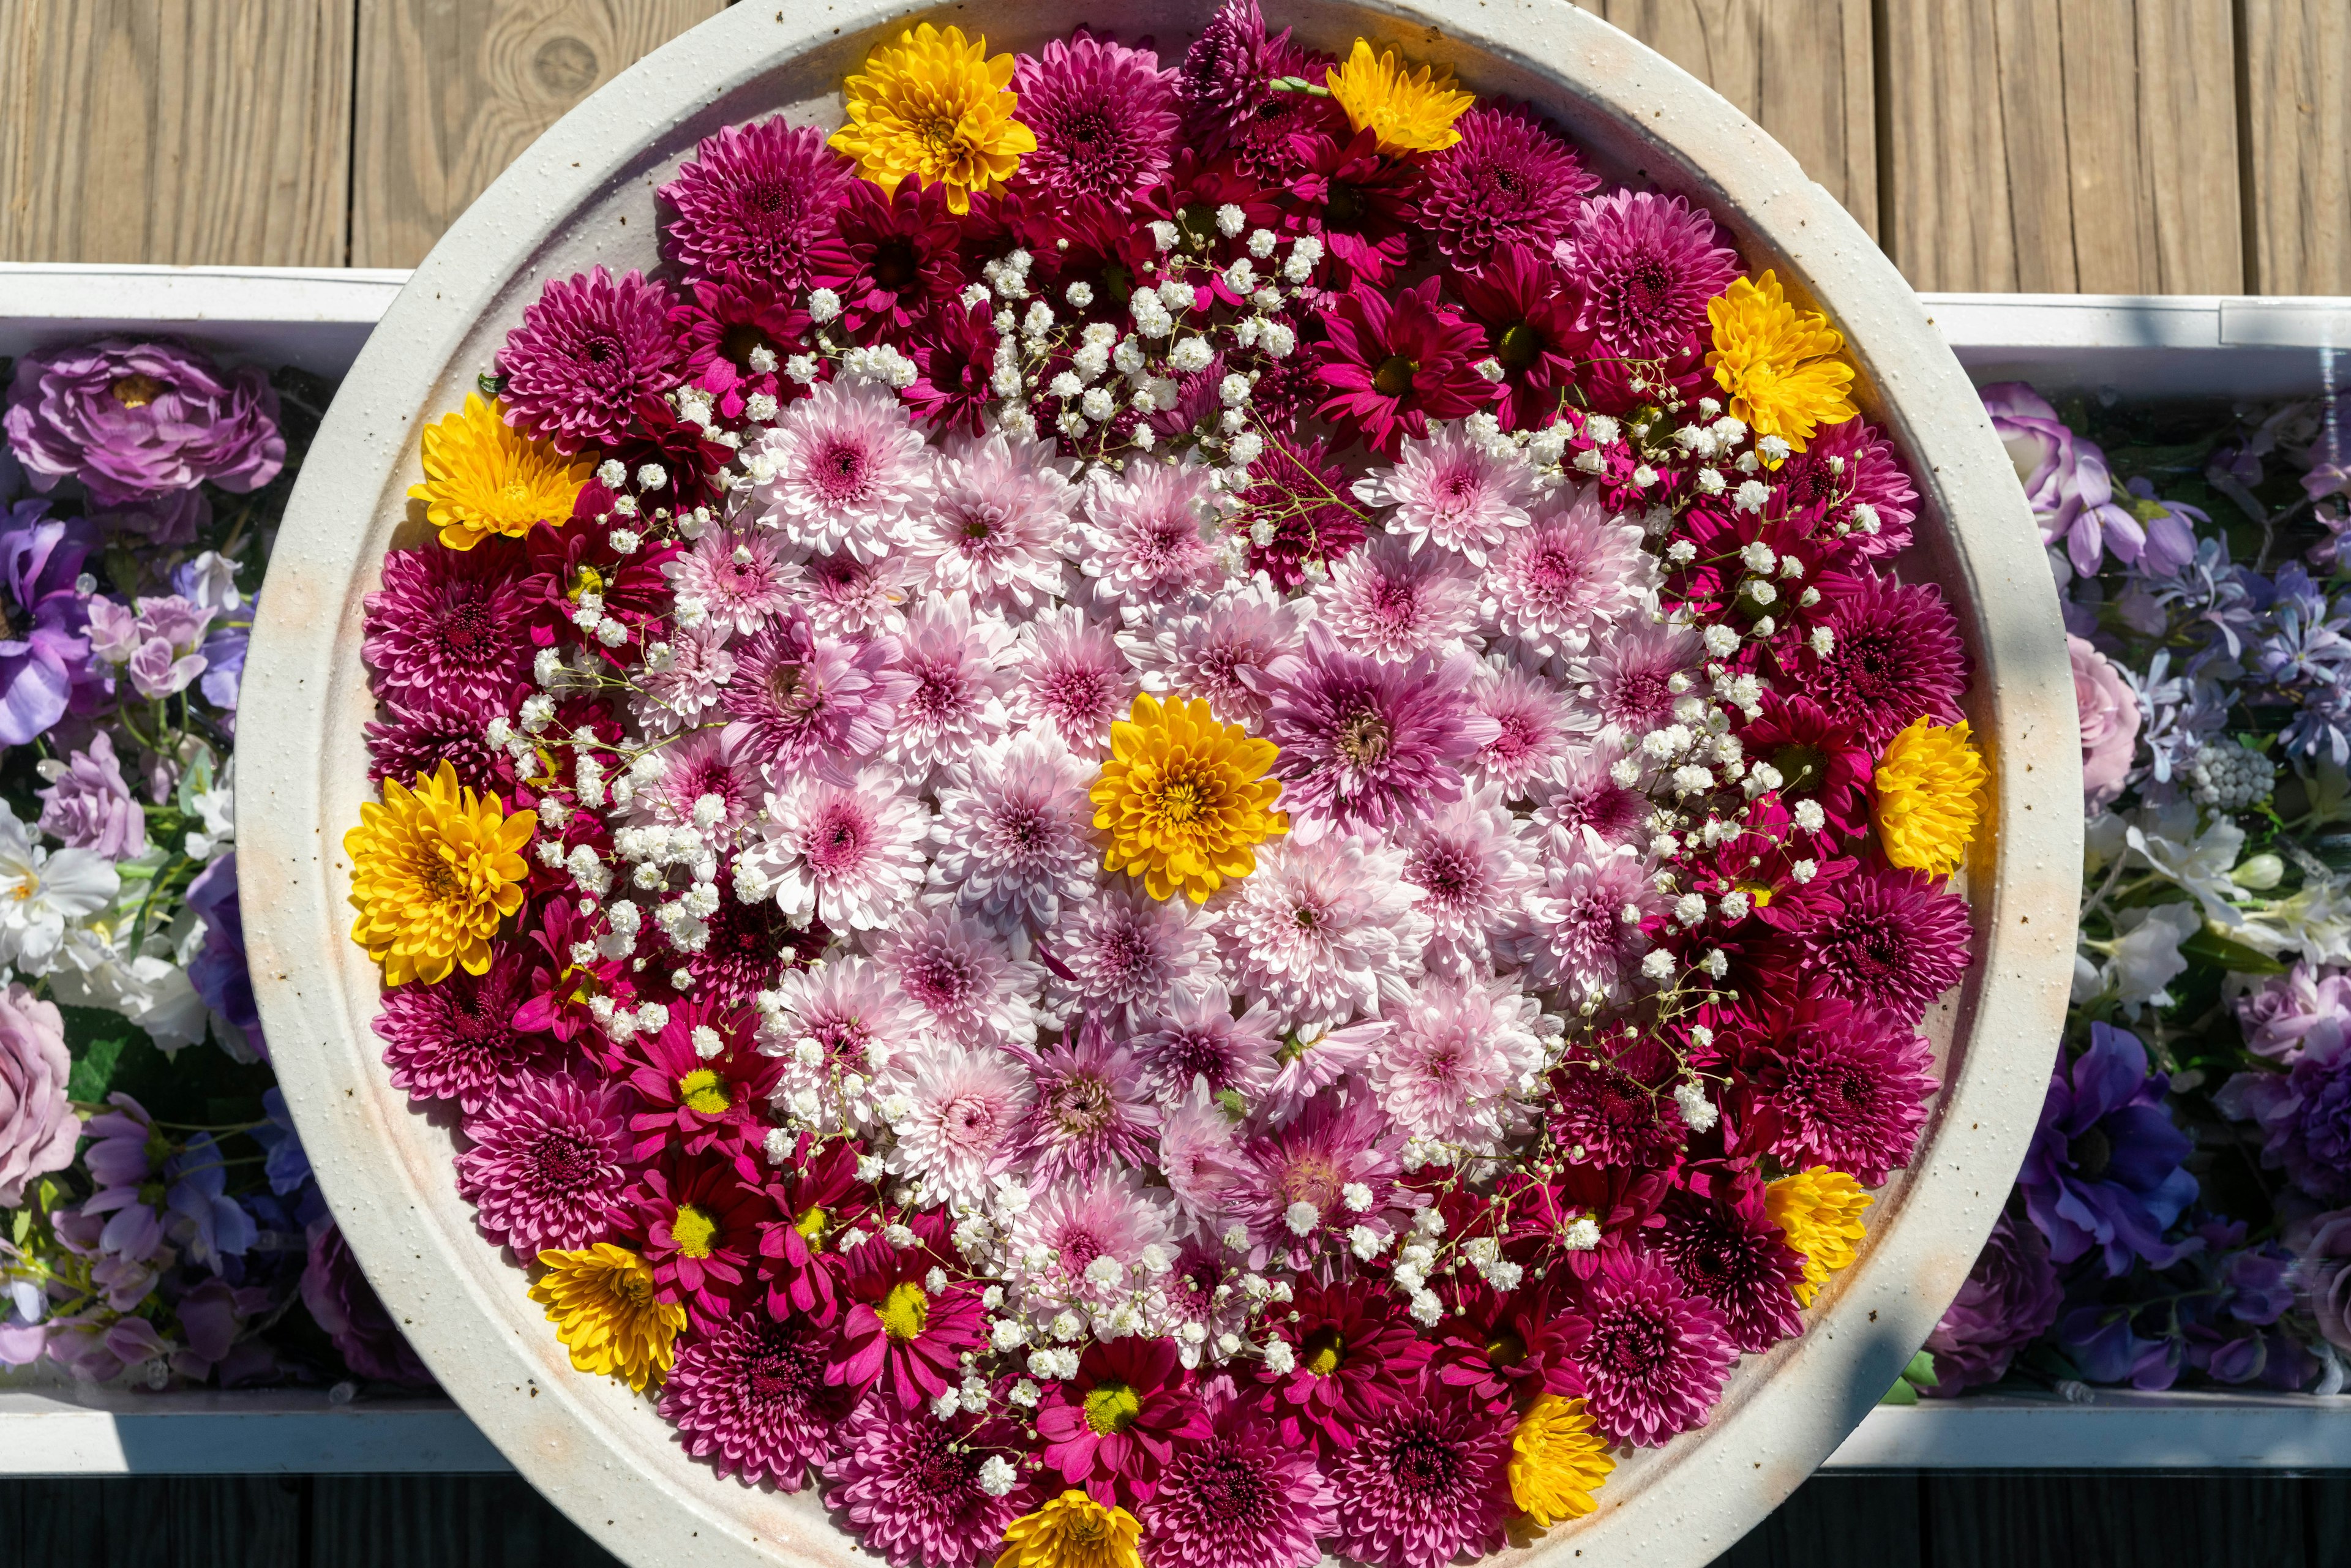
<point x="189" y="131"/>
<point x="450" y="90"/>
<point x="2296" y="91"/>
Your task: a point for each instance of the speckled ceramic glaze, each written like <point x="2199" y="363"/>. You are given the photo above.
<point x="583" y="194"/>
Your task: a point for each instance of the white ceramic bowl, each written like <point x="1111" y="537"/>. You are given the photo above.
<point x="583" y="194"/>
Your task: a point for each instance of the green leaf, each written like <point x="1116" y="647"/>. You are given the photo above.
<point x="1921" y="1370"/>
<point x="1902" y="1393"/>
<point x="2208" y="946"/>
<point x="93" y="1068"/>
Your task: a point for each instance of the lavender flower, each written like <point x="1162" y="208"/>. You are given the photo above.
<point x="2103" y="1171"/>
<point x="44" y="651"/>
<point x="89" y="807"/>
<point x="134" y="420"/>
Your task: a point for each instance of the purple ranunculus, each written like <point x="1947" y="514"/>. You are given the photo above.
<point x="39" y="1128"/>
<point x="159" y="641"/>
<point x="44" y="649"/>
<point x="2105" y="1170"/>
<point x="2011" y="1298"/>
<point x="218" y="970"/>
<point x="2322" y="1274"/>
<point x="89" y="805"/>
<point x="2304" y="1114"/>
<point x="134" y="419"/>
<point x="2065" y="479"/>
<point x="348" y="1308"/>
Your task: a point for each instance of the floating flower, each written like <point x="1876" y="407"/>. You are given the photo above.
<point x="1013" y="832"/>
<point x="1396" y="359"/>
<point x="1323" y="932"/>
<point x="547" y="1161"/>
<point x="1716" y="1235"/>
<point x="1448" y="491"/>
<point x="1072" y="1531"/>
<point x="1558" y="1460"/>
<point x="1104" y="117"/>
<point x="1293" y="1194"/>
<point x="960" y="973"/>
<point x="450" y="626"/>
<point x="1143" y="540"/>
<point x="1780" y="366"/>
<point x="1239" y="1497"/>
<point x="917" y="1489"/>
<point x="905" y="1328"/>
<point x="1838" y="1087"/>
<point x="433" y="871"/>
<point x="844" y="467"/>
<point x="1354" y="1357"/>
<point x="1425" y="1483"/>
<point x="1508" y="179"/>
<point x="1894" y="943"/>
<point x="584" y="355"/>
<point x="1648" y="265"/>
<point x="1409" y="111"/>
<point x="934" y="107"/>
<point x="1567" y="574"/>
<point x="483" y="477"/>
<point x="701" y="1215"/>
<point x="741" y="580"/>
<point x="1654" y="1357"/>
<point x="1392" y="603"/>
<point x="997" y="524"/>
<point x="1111" y="1428"/>
<point x="897" y="261"/>
<point x="1071" y="677"/>
<point x="754" y="201"/>
<point x="1583" y="941"/>
<point x="602" y="1303"/>
<point x="847" y="853"/>
<point x="1219" y="654"/>
<point x="1185" y="799"/>
<point x="1364" y="745"/>
<point x="1930" y="787"/>
<point x="799" y="698"/>
<point x="1197" y="1036"/>
<point x="960" y="1109"/>
<point x="1080" y="1239"/>
<point x="1893" y="655"/>
<point x="955" y="664"/>
<point x="751" y="1398"/>
<point x="1819" y="1210"/>
<point x="1447" y="1071"/>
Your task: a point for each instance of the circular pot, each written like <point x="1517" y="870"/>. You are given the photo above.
<point x="582" y="194"/>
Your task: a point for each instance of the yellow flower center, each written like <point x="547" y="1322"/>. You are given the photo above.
<point x="811" y="1225"/>
<point x="694" y="1230"/>
<point x="904" y="1312"/>
<point x="1111" y="1408"/>
<point x="136" y="391"/>
<point x="703" y="1090"/>
<point x="1758" y="895"/>
<point x="1322" y="1352"/>
<point x="590" y="581"/>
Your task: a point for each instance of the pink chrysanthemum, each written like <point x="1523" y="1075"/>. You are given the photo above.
<point x="714" y="764"/>
<point x="755" y="201"/>
<point x="857" y="1019"/>
<point x="1365" y="744"/>
<point x="1355" y="1358"/>
<point x="1239" y="1497"/>
<point x="1075" y="1223"/>
<point x="1572" y="570"/>
<point x="450" y="626"/>
<point x="1510" y="180"/>
<point x="410" y="741"/>
<point x="963" y="975"/>
<point x="1448" y="1067"/>
<point x="1118" y="1462"/>
<point x="1221" y="653"/>
<point x="1895" y="655"/>
<point x="1475" y="867"/>
<point x="1726" y="1248"/>
<point x="960" y="1108"/>
<point x="547" y="1162"/>
<point x="1393" y="602"/>
<point x="1897" y="941"/>
<point x="1585" y="793"/>
<point x="751" y="1398"/>
<point x="1847" y="488"/>
<point x="741" y="578"/>
<point x="1583" y="943"/>
<point x="853" y="599"/>
<point x="1197" y="1036"/>
<point x="1396" y="359"/>
<point x="457" y="1039"/>
<point x="1612" y="1105"/>
<point x="1143" y="544"/>
<point x="1425" y="1483"/>
<point x="1341" y="1140"/>
<point x="847" y="851"/>
<point x="909" y="1357"/>
<point x="1105" y="116"/>
<point x="1090" y="1112"/>
<point x="1120" y="954"/>
<point x="1648" y="263"/>
<point x="1629" y="672"/>
<point x="690" y="684"/>
<point x="844" y="466"/>
<point x="1200" y="1156"/>
<point x="1451" y="492"/>
<point x="958" y="664"/>
<point x="586" y="352"/>
<point x="1837" y="1086"/>
<point x="1535" y="728"/>
<point x="1015" y="835"/>
<point x="1071" y="679"/>
<point x="1654" y="1357"/>
<point x="1321" y="932"/>
<point x="911" y="1486"/>
<point x="997" y="523"/>
<point x="799" y="697"/>
<point x="1314" y="1064"/>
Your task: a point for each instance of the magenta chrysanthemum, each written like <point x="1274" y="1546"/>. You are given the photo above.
<point x="1719" y="1239"/>
<point x="457" y="1039"/>
<point x="1834" y="1086"/>
<point x="451" y="626"/>
<point x="1510" y="180"/>
<point x="1118" y="1459"/>
<point x="1294" y="1192"/>
<point x="799" y="698"/>
<point x="583" y="356"/>
<point x="911" y="1485"/>
<point x="1895" y="655"/>
<point x="1648" y="263"/>
<point x="1897" y="941"/>
<point x="1104" y="119"/>
<point x="409" y="741"/>
<point x="751" y="1398"/>
<point x="1090" y="1111"/>
<point x="1425" y="1483"/>
<point x="1629" y="673"/>
<point x="1394" y="360"/>
<point x="1354" y="1357"/>
<point x="1849" y="491"/>
<point x="1223" y="70"/>
<point x="1364" y="743"/>
<point x="754" y="201"/>
<point x="1240" y="1497"/>
<point x="1612" y="1105"/>
<point x="1654" y="1357"/>
<point x="548" y="1160"/>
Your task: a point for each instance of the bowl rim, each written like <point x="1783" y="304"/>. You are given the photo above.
<point x="599" y="1453"/>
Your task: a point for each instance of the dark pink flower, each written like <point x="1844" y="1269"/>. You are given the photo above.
<point x="1298" y="489"/>
<point x="584" y="354"/>
<point x="1503" y="1348"/>
<point x="955" y="357"/>
<point x="701" y="1215"/>
<point x="1367" y="745"/>
<point x="1354" y="1356"/>
<point x="450" y="626"/>
<point x="1717" y="1239"/>
<point x="1895" y="655"/>
<point x="1847" y="490"/>
<point x="1270" y="138"/>
<point x="548" y="1162"/>
<point x="703" y="1083"/>
<point x="1819" y="760"/>
<point x="1824" y="1083"/>
<point x="1654" y="1357"/>
<point x="1512" y="179"/>
<point x="1239" y="1497"/>
<point x="1091" y="1113"/>
<point x="911" y="1485"/>
<point x="1113" y="1427"/>
<point x="1364" y="204"/>
<point x="1534" y="331"/>
<point x="898" y="258"/>
<point x="1648" y="263"/>
<point x="1614" y="1107"/>
<point x="1427" y="1482"/>
<point x="750" y="1397"/>
<point x="1888" y="941"/>
<point x="410" y="741"/>
<point x="817" y="1198"/>
<point x="1104" y="118"/>
<point x="756" y="201"/>
<point x="907" y="1325"/>
<point x="458" y="1040"/>
<point x="735" y="339"/>
<point x="1396" y="359"/>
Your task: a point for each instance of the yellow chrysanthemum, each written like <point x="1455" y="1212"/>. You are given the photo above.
<point x="433" y="871"/>
<point x="1184" y="798"/>
<point x="1779" y="364"/>
<point x="602" y="1304"/>
<point x="1072" y="1530"/>
<point x="1409" y="112"/>
<point x="1930" y="796"/>
<point x="935" y="107"/>
<point x="1557" y="1461"/>
<point x="1819" y="1210"/>
<point x="483" y="476"/>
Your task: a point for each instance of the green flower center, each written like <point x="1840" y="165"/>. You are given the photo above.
<point x="1394" y="378"/>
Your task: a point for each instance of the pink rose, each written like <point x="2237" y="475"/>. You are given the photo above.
<point x="2109" y="710"/>
<point x="39" y="1128"/>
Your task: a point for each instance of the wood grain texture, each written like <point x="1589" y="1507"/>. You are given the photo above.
<point x="2242" y="1519"/>
<point x="452" y="91"/>
<point x="189" y="131"/>
<point x="2298" y="112"/>
<point x="1802" y="72"/>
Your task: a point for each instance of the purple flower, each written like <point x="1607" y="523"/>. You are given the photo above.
<point x="160" y="522"/>
<point x="208" y="1223"/>
<point x="218" y="971"/>
<point x="2105" y="1167"/>
<point x="2070" y="492"/>
<point x="2304" y="1114"/>
<point x="44" y="651"/>
<point x="347" y="1307"/>
<point x="39" y="1128"/>
<point x="134" y="420"/>
<point x="89" y="805"/>
<point x="2011" y="1298"/>
<point x="2322" y="1274"/>
<point x="158" y="641"/>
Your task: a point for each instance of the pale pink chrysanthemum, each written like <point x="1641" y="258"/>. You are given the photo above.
<point x="953" y="1108"/>
<point x="1323" y="932"/>
<point x="1448" y="1067"/>
<point x="846" y="597"/>
<point x="1571" y="569"/>
<point x="1070" y="678"/>
<point x="1475" y="867"/>
<point x="688" y="683"/>
<point x="1585" y="793"/>
<point x="804" y="698"/>
<point x="965" y="976"/>
<point x="1453" y="492"/>
<point x="1625" y="680"/>
<point x="1197" y="1036"/>
<point x="1072" y="1224"/>
<point x="1219" y="651"/>
<point x="740" y="579"/>
<point x="1199" y="1154"/>
<point x="1143" y="540"/>
<point x="712" y="762"/>
<point x="1120" y="954"/>
<point x="1582" y="944"/>
<point x="1314" y="1064"/>
<point x="959" y="665"/>
<point x="1390" y="602"/>
<point x="1539" y="729"/>
<point x="858" y="1021"/>
<point x="998" y="522"/>
<point x="844" y="466"/>
<point x="848" y="851"/>
<point x="1090" y="1113"/>
<point x="1015" y="833"/>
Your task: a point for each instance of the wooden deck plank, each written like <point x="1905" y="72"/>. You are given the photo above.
<point x="443" y="1521"/>
<point x="188" y="131"/>
<point x="2234" y="1521"/>
<point x="2298" y="112"/>
<point x="455" y="89"/>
